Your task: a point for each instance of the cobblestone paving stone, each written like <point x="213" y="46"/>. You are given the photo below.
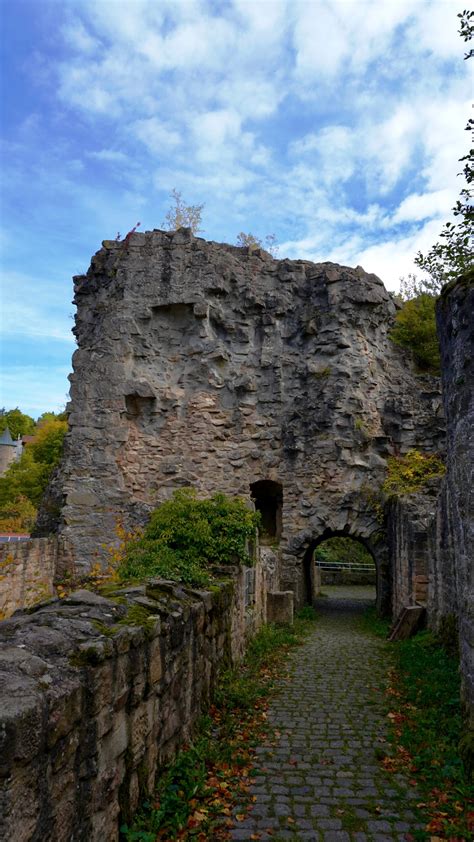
<point x="322" y="779"/>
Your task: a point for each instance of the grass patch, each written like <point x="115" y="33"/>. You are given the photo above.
<point x="196" y="795"/>
<point x="372" y="622"/>
<point x="426" y="732"/>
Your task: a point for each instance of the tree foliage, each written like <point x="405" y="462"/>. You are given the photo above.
<point x="26" y="479"/>
<point x="412" y="286"/>
<point x="17" y="422"/>
<point x="186" y="536"/>
<point x="345" y="550"/>
<point x="181" y="215"/>
<point x="415" y="329"/>
<point x="18" y="516"/>
<point x="47" y="445"/>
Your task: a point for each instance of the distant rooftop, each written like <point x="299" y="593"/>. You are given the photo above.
<point x="5" y="438"/>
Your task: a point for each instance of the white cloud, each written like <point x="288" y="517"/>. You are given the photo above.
<point x="112" y="156"/>
<point x="35" y="389"/>
<point x="335" y="123"/>
<point x="418" y="207"/>
<point x="393" y="258"/>
<point x="346" y="36"/>
<point x="29" y="320"/>
<point x="76" y="36"/>
<point x="34" y="310"/>
<point x="156" y="135"/>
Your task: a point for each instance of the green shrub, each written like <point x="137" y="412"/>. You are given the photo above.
<point x="415" y="329"/>
<point x="409" y="473"/>
<point x="186" y="536"/>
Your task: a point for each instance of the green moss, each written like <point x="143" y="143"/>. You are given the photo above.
<point x="103" y="628"/>
<point x="138" y="616"/>
<point x="322" y="372"/>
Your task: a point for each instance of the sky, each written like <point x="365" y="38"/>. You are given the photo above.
<point x="335" y="125"/>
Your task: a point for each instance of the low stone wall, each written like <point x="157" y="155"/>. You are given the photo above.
<point x="97" y="693"/>
<point x="28" y="570"/>
<point x="348" y="577"/>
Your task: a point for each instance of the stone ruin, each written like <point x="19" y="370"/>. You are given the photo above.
<point x="207" y="365"/>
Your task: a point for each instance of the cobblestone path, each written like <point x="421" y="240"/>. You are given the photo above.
<point x="322" y="780"/>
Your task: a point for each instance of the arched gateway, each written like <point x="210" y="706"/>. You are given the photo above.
<point x="222" y="368"/>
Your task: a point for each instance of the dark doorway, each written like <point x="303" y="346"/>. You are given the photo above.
<point x="268" y="498"/>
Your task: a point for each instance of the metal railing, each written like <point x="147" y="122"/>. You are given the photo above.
<point x="343" y="565"/>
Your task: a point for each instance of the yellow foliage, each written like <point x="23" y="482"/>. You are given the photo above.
<point x="409" y="473"/>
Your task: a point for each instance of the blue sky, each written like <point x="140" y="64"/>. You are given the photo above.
<point x="334" y="124"/>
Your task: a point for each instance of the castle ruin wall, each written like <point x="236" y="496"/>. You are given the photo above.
<point x="218" y="367"/>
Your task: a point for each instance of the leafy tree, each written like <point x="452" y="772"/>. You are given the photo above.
<point x="452" y="256"/>
<point x="415" y="329"/>
<point x="181" y="215"/>
<point x="448" y="259"/>
<point x="48" y="442"/>
<point x="412" y="286"/>
<point x="50" y="416"/>
<point x="17" y="422"/>
<point x="27" y="479"/>
<point x="345" y="550"/>
<point x="268" y="244"/>
<point x="17" y="517"/>
<point x="466" y="30"/>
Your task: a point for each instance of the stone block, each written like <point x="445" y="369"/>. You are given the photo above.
<point x="280" y="607"/>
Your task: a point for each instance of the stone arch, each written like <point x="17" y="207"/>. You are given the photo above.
<point x="350" y="516"/>
<point x="377" y="549"/>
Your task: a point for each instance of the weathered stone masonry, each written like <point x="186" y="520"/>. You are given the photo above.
<point x="453" y="570"/>
<point x="222" y="368"/>
<point x="431" y="534"/>
<point x="88" y="717"/>
<point x="208" y="365"/>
